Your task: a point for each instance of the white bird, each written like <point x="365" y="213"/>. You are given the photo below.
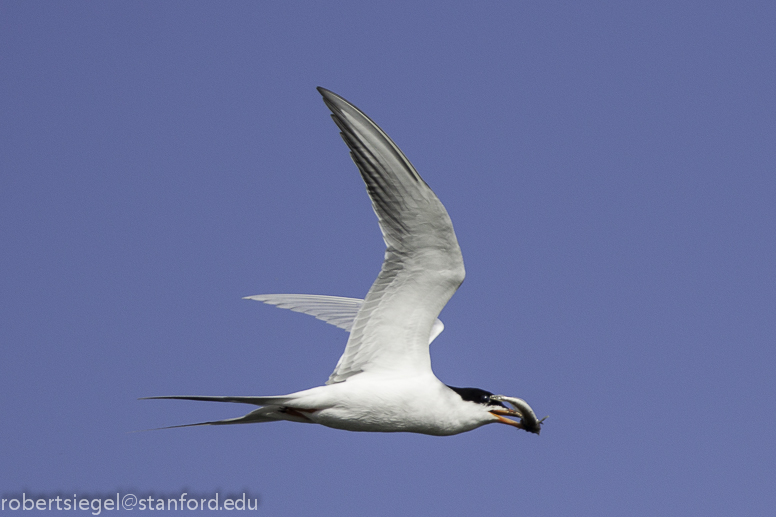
<point x="383" y="382"/>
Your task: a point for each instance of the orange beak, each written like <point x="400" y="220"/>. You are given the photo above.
<point x="509" y="412"/>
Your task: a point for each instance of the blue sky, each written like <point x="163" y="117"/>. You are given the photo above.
<point x="610" y="169"/>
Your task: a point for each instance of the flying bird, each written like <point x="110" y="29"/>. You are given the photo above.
<point x="383" y="382"/>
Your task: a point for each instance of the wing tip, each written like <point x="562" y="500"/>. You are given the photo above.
<point x="329" y="96"/>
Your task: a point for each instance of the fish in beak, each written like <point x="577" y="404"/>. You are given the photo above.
<point x="523" y="411"/>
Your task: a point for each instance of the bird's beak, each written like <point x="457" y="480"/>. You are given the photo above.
<point x="501" y="413"/>
<point x="528" y="421"/>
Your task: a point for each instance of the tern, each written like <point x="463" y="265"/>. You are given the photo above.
<point x="383" y="382"/>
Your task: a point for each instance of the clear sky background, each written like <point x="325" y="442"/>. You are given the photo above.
<point x="610" y="168"/>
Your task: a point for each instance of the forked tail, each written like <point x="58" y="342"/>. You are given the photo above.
<point x="272" y="410"/>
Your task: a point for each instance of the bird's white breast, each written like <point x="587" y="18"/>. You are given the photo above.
<point x="420" y="404"/>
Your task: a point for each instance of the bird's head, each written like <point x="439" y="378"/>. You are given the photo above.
<point x="494" y="405"/>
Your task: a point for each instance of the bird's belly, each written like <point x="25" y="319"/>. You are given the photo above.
<point x="370" y="403"/>
<point x="385" y="420"/>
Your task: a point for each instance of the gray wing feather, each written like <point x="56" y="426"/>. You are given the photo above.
<point x="334" y="310"/>
<point x="423" y="265"/>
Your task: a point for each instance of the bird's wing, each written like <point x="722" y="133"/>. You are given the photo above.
<point x="334" y="310"/>
<point x="423" y="265"/>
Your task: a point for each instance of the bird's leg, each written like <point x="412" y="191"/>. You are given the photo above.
<point x="297" y="412"/>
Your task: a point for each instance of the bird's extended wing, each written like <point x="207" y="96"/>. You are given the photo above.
<point x="334" y="310"/>
<point x="423" y="265"/>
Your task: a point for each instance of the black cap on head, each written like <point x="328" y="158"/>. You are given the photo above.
<point x="476" y="395"/>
